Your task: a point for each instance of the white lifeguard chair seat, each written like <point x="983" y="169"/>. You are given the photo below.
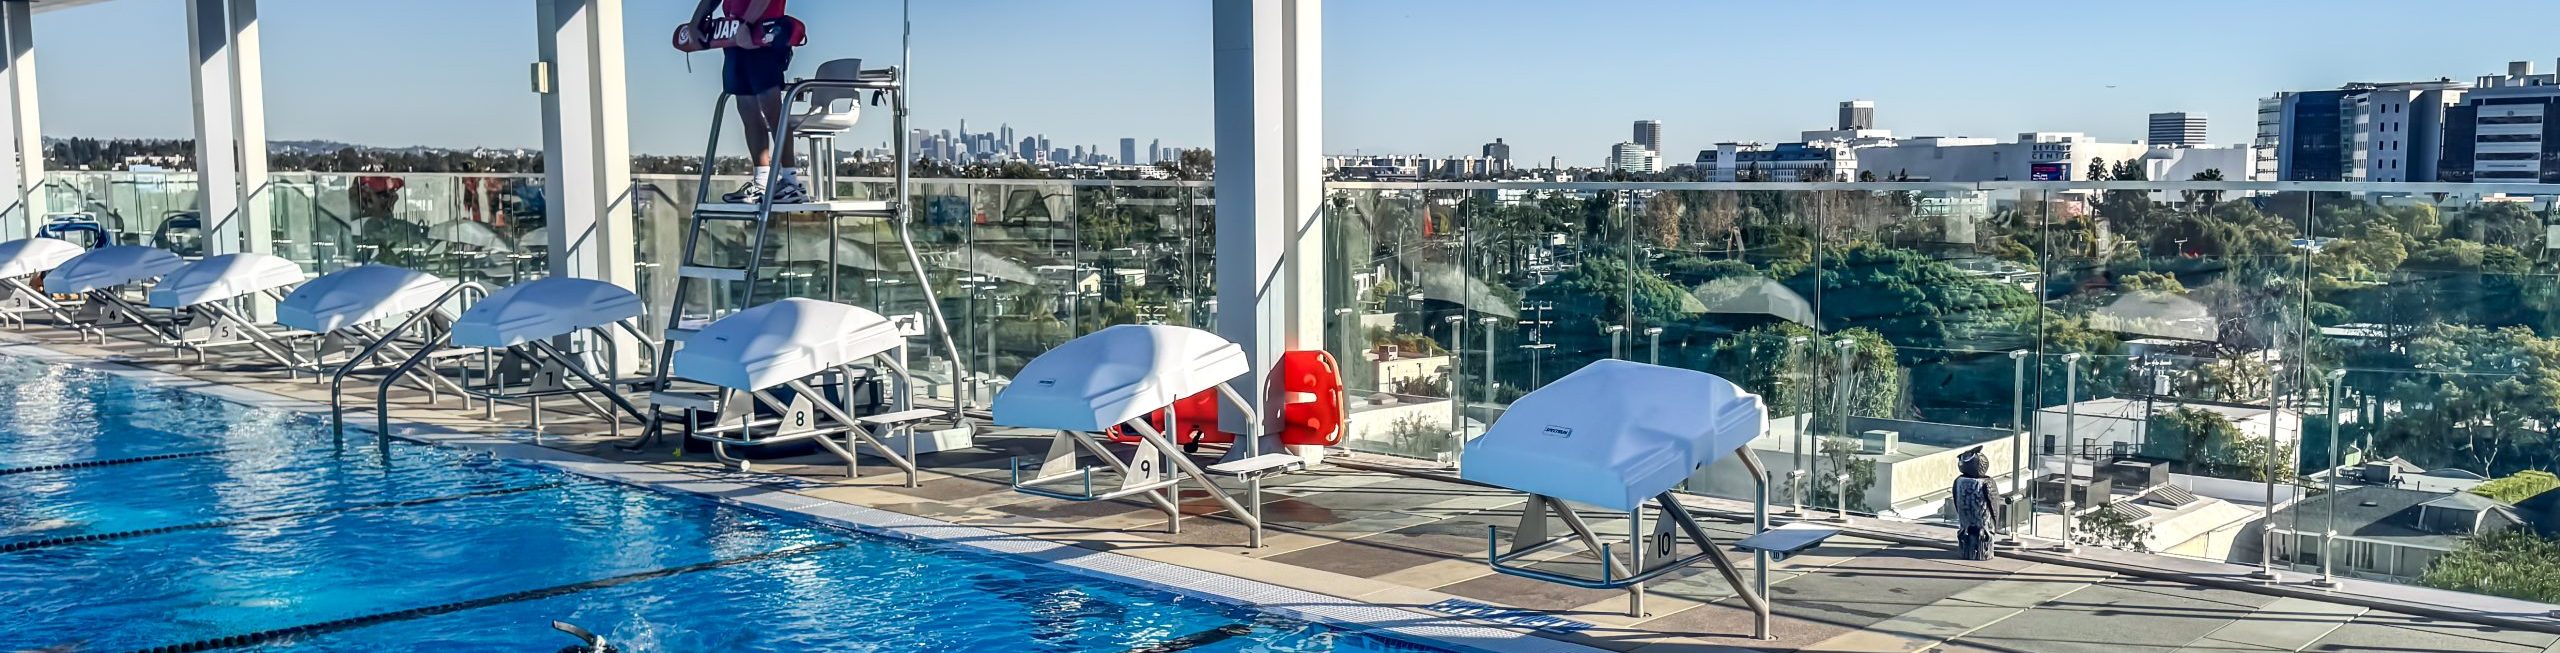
<point x="30" y="256"/>
<point x="776" y="343"/>
<point x="822" y="117"/>
<point x="1614" y="434"/>
<point x="1115" y="375"/>
<point x="543" y="309"/>
<point x="108" y="267"/>
<point x="217" y="278"/>
<point x="358" y="295"/>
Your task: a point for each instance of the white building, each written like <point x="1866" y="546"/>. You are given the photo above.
<point x="2236" y="163"/>
<point x="2033" y="156"/>
<point x="1633" y="157"/>
<point x="2122" y="424"/>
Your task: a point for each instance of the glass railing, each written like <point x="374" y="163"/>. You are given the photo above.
<point x="477" y="227"/>
<point x="1020" y="266"/>
<point x="2203" y="359"/>
<point x="2200" y="360"/>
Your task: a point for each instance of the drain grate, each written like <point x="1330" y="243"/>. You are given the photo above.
<point x="92" y="538"/>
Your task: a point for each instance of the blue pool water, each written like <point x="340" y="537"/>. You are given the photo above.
<point x="241" y="522"/>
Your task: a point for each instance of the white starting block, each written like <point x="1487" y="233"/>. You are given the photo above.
<point x="101" y="276"/>
<point x="345" y="308"/>
<point x="203" y="290"/>
<point x="519" y="322"/>
<point x="1618" y="435"/>
<point x="1116" y="377"/>
<point x="20" y="261"/>
<point x="751" y="356"/>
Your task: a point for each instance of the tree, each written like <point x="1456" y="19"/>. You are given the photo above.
<point x="1840" y="455"/>
<point x="2515" y="564"/>
<point x="2204" y="197"/>
<point x="2112" y="529"/>
<point x="2211" y="445"/>
<point x="2097" y="169"/>
<point x="1766" y="361"/>
<point x="2517" y="487"/>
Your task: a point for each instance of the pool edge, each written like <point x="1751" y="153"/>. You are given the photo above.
<point x="1352" y="615"/>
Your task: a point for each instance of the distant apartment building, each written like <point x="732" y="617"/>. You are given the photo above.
<point x="1398" y="167"/>
<point x="2177" y="128"/>
<point x="1782" y="162"/>
<point x="1634" y="157"/>
<point x="1649" y="134"/>
<point x="1857" y="114"/>
<point x="1497" y="150"/>
<point x="2359" y="132"/>
<point x="2032" y="156"/>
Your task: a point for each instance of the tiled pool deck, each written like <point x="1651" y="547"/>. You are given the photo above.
<point x="1414" y="542"/>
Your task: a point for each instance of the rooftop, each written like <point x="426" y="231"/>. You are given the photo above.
<point x="1376" y="531"/>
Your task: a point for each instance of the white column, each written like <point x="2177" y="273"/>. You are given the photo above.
<point x="217" y="128"/>
<point x="249" y="129"/>
<point x="586" y="149"/>
<point x="1270" y="184"/>
<point x="24" y="143"/>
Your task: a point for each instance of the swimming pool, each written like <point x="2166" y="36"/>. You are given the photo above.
<point x="135" y="518"/>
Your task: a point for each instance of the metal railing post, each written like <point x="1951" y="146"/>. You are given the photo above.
<point x="2070" y="436"/>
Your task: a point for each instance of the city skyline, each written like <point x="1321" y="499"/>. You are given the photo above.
<point x="449" y="82"/>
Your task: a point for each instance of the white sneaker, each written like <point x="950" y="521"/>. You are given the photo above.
<point x="790" y="191"/>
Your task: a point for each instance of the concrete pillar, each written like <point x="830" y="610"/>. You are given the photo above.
<point x="230" y="122"/>
<point x="586" y="149"/>
<point x="249" y="126"/>
<point x="1270" y="184"/>
<point x="24" y="142"/>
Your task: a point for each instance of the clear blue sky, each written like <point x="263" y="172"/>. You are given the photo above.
<point x="1431" y="76"/>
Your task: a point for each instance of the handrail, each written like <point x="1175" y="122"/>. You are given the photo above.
<point x="337" y="380"/>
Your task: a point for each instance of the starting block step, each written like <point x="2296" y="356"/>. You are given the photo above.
<point x="1262" y="466"/>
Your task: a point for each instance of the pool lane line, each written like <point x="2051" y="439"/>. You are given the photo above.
<point x="92" y="538"/>
<point x="1198" y="639"/>
<point x="85" y="464"/>
<point x="349" y="623"/>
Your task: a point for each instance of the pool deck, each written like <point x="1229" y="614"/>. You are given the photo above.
<point x="1369" y="532"/>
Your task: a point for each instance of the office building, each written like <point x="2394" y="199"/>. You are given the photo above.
<point x="1634" y="157"/>
<point x="1497" y="150"/>
<point x="1155" y="151"/>
<point x="1648" y="133"/>
<point x="1128" y="151"/>
<point x="2360" y="132"/>
<point x="1857" y="114"/>
<point x="1817" y="161"/>
<point x="2177" y="128"/>
<point x="2503" y="130"/>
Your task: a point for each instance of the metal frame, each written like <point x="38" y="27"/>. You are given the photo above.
<point x="546" y="358"/>
<point x="384" y="344"/>
<point x="900" y="211"/>
<point x="819" y="409"/>
<point x="1674" y="519"/>
<point x="34" y="301"/>
<point x="1060" y="463"/>
<point x="218" y="315"/>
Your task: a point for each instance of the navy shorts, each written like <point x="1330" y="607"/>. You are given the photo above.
<point x="755" y="72"/>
